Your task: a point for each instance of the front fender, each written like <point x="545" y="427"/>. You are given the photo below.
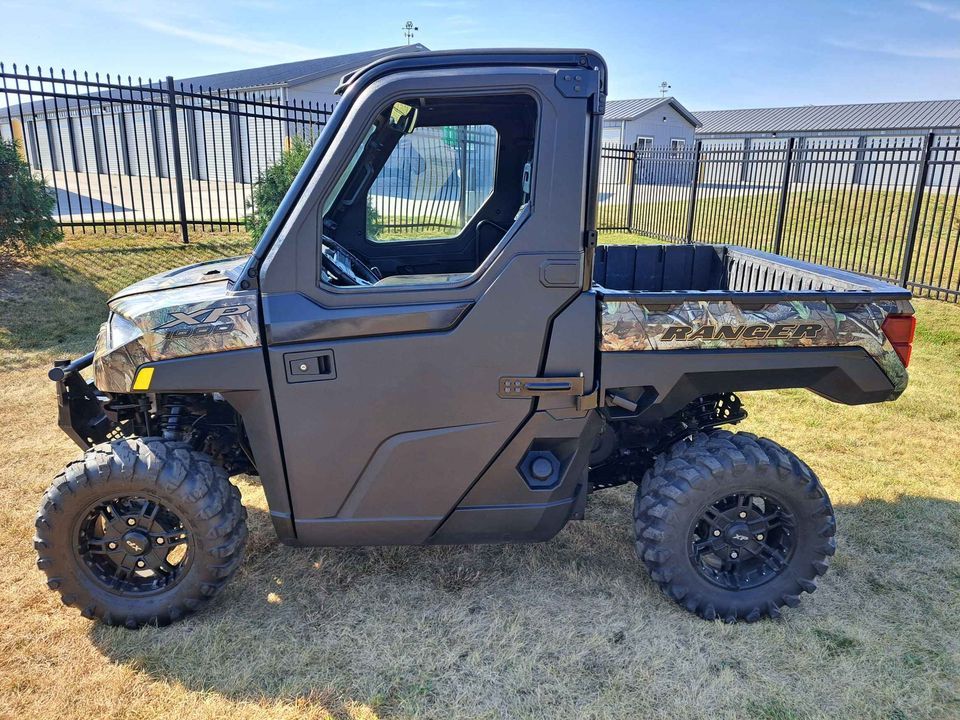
<point x="240" y="377"/>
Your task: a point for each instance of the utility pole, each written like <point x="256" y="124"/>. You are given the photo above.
<point x="409" y="29"/>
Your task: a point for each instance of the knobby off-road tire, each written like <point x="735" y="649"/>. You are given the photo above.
<point x="695" y="496"/>
<point x="115" y="488"/>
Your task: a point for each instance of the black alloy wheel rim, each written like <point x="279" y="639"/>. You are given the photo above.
<point x="133" y="545"/>
<point x="743" y="540"/>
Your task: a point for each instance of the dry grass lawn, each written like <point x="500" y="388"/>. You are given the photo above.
<point x="568" y="629"/>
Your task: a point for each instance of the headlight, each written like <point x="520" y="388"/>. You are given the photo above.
<point x="121" y="331"/>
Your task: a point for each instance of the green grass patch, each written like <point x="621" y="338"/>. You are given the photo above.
<point x="53" y="303"/>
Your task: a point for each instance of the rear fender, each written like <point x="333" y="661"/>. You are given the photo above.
<point x="668" y="380"/>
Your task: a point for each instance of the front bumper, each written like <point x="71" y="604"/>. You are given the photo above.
<point x="81" y="411"/>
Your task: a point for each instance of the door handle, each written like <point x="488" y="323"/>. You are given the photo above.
<point x="310" y="366"/>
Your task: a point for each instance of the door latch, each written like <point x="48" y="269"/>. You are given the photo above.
<point x="531" y="387"/>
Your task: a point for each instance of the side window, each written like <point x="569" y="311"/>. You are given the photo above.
<point x="433" y="183"/>
<point x="431" y="189"/>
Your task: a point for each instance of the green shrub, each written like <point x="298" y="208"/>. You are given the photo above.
<point x="269" y="190"/>
<point x="374" y="223"/>
<point x="26" y="207"/>
<point x="273" y="185"/>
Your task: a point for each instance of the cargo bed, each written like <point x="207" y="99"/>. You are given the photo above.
<point x="724" y="271"/>
<point x="745" y="320"/>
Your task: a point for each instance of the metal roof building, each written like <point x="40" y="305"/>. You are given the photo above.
<point x="632" y="109"/>
<point x="293" y="80"/>
<point x="122" y="129"/>
<point x="656" y="122"/>
<point x="854" y="141"/>
<point x="895" y="118"/>
<point x="298" y="72"/>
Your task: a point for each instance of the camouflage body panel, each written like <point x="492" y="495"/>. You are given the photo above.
<point x="627" y="324"/>
<point x="211" y="271"/>
<point x="179" y="322"/>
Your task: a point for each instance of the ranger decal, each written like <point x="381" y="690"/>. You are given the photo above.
<point x="748" y="332"/>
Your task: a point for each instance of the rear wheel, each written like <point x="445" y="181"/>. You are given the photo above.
<point x="140" y="531"/>
<point x="732" y="526"/>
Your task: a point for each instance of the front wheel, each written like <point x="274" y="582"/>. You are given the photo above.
<point x="732" y="526"/>
<point x="140" y="531"/>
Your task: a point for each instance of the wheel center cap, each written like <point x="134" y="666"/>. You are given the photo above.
<point x="136" y="543"/>
<point x="738" y="534"/>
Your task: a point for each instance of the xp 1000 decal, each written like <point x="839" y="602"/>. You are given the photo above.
<point x="629" y="325"/>
<point x="203" y="321"/>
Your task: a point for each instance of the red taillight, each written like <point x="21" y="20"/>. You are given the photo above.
<point x="899" y="330"/>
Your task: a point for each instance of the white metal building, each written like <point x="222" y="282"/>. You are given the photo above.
<point x="649" y="122"/>
<point x="850" y="136"/>
<point x="115" y="134"/>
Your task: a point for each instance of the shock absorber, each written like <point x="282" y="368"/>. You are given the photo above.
<point x="172" y="417"/>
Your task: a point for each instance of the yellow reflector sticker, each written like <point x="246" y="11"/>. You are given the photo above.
<point x="143" y="379"/>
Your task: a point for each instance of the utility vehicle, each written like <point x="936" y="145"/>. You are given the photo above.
<point x="471" y="383"/>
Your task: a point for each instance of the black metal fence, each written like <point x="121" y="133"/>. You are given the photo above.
<point x="434" y="181"/>
<point x="886" y="207"/>
<point x="132" y="155"/>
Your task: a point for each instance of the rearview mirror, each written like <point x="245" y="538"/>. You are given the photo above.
<point x="403" y="118"/>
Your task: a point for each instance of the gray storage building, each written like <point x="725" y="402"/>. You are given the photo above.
<point x="649" y="122"/>
<point x="849" y="136"/>
<point x="866" y="119"/>
<point x="114" y="139"/>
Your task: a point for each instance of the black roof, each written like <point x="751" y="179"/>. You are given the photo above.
<point x="486" y="56"/>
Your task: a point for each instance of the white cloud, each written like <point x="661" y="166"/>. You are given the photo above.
<point x="460" y="25"/>
<point x="905" y="48"/>
<point x="188" y="21"/>
<point x="932" y="52"/>
<point x="441" y="4"/>
<point x="953" y="13"/>
<point x="230" y="39"/>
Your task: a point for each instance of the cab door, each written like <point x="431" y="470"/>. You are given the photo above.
<point x="390" y="396"/>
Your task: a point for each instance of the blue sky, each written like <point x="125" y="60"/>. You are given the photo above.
<point x="714" y="54"/>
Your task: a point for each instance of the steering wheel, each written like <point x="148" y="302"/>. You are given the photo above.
<point x="344" y="266"/>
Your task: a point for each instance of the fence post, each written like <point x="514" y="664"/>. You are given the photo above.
<point x="784" y="191"/>
<point x="916" y="208"/>
<point x="695" y="185"/>
<point x="632" y="190"/>
<point x="177" y="164"/>
<point x="462" y="150"/>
